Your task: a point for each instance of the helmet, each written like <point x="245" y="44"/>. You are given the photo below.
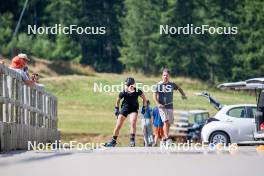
<point x="130" y="81"/>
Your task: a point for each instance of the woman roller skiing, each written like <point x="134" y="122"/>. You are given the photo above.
<point x="129" y="107"/>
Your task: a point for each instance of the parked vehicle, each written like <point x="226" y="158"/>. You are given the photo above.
<point x="233" y="123"/>
<point x="197" y="120"/>
<point x="188" y="124"/>
<point x="259" y="134"/>
<point x="237" y="123"/>
<point x="257" y="85"/>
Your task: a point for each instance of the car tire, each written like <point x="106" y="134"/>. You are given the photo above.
<point x="219" y="137"/>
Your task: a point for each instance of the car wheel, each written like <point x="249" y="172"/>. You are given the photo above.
<point x="219" y="137"/>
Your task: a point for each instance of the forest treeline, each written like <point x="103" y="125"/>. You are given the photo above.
<point x="132" y="39"/>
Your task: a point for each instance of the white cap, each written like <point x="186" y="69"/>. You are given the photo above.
<point x="24" y="56"/>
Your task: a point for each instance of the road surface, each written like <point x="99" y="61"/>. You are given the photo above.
<point x="133" y="161"/>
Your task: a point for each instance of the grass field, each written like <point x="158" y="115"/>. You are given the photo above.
<point x="88" y="116"/>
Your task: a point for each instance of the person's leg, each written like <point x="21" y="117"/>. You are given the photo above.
<point x="170" y="121"/>
<point x="165" y="119"/>
<point x="162" y="136"/>
<point x="133" y="128"/>
<point x="133" y="122"/>
<point x="166" y="129"/>
<point x="167" y="124"/>
<point x="144" y="130"/>
<point x="156" y="136"/>
<point x="161" y="133"/>
<point x="119" y="123"/>
<point x="156" y="140"/>
<point x="149" y="132"/>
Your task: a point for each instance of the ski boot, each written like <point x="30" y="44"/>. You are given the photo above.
<point x="112" y="143"/>
<point x="132" y="143"/>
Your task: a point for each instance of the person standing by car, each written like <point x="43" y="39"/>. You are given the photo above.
<point x="129" y="107"/>
<point x="163" y="98"/>
<point x="146" y="125"/>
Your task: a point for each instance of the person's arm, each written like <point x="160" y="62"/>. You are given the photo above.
<point x="120" y="96"/>
<point x="181" y="91"/>
<point x="117" y="102"/>
<point x="155" y="97"/>
<point x="29" y="82"/>
<point x="144" y="100"/>
<point x="26" y="79"/>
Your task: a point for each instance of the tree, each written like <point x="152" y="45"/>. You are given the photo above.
<point x="223" y="48"/>
<point x="185" y="54"/>
<point x="5" y="31"/>
<point x="140" y="34"/>
<point x="101" y="51"/>
<point x="249" y="61"/>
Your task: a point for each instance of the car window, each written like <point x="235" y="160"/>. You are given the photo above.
<point x="206" y="116"/>
<point x="199" y="118"/>
<point x="251" y="112"/>
<point x="191" y="119"/>
<point x="239" y="112"/>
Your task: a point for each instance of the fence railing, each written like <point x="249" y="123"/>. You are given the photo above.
<point x="27" y="113"/>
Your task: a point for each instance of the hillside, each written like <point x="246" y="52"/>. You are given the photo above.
<point x="47" y="68"/>
<point x="88" y="116"/>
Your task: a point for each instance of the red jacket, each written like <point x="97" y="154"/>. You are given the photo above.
<point x="18" y="63"/>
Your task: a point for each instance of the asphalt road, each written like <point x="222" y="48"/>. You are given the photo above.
<point x="133" y="161"/>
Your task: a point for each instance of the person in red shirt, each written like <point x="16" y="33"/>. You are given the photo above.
<point x="19" y="64"/>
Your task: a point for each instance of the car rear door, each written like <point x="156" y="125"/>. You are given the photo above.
<point x="243" y="122"/>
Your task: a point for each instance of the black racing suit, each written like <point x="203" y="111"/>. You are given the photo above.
<point x="130" y="101"/>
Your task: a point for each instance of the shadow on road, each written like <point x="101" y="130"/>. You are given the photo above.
<point x="17" y="157"/>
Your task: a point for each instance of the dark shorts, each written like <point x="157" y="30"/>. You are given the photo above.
<point x="125" y="110"/>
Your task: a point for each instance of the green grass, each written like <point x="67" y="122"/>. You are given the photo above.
<point x="82" y="111"/>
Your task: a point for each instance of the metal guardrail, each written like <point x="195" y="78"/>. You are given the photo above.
<point x="27" y="113"/>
